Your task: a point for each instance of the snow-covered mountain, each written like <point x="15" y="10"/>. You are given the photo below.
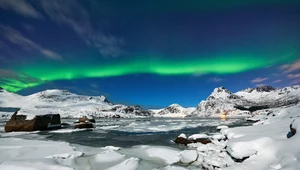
<point x="69" y="105"/>
<point x="174" y="110"/>
<point x="222" y="101"/>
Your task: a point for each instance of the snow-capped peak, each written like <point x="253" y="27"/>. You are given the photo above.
<point x="104" y="99"/>
<point x="220" y="92"/>
<point x="52" y="93"/>
<point x="175" y="105"/>
<point x="174" y="110"/>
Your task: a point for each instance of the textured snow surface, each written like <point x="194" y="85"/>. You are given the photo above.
<point x="267" y="143"/>
<point x="28" y="154"/>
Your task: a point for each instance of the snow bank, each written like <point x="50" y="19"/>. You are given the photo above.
<point x="267" y="144"/>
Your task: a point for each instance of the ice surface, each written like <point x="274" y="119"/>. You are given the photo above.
<point x="69" y="130"/>
<point x="188" y="156"/>
<point x="128" y="164"/>
<point x="30" y="154"/>
<point x="170" y="156"/>
<point x="108" y="156"/>
<point x="35" y="164"/>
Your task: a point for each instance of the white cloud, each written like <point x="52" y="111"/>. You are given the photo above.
<point x="293" y="76"/>
<point x="17" y="38"/>
<point x="73" y="15"/>
<point x="277" y="81"/>
<point x="20" y="7"/>
<point x="259" y="80"/>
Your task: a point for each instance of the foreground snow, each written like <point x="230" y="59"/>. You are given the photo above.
<point x="267" y="143"/>
<point x="28" y="154"/>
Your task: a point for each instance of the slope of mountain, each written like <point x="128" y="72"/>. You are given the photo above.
<point x="69" y="105"/>
<point x="222" y="101"/>
<point x="174" y="110"/>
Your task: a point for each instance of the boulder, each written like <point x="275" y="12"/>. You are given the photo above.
<point x="181" y="140"/>
<point x="85" y="119"/>
<point x="202" y="140"/>
<point x="84" y="125"/>
<point x="39" y="122"/>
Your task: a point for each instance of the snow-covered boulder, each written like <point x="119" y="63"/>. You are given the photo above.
<point x="30" y="121"/>
<point x="188" y="156"/>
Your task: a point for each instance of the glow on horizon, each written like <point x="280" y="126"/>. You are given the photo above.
<point x="160" y="66"/>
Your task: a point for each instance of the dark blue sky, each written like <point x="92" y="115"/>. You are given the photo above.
<point x="151" y="53"/>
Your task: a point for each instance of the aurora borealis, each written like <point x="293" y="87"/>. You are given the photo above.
<point x="144" y="48"/>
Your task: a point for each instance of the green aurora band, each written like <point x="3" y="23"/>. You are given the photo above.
<point x="37" y="74"/>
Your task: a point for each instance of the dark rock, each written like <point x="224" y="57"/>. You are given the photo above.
<point x="293" y="131"/>
<point x="40" y="122"/>
<point x="181" y="140"/>
<point x="233" y="96"/>
<point x="238" y="160"/>
<point x="252" y="108"/>
<point x="84" y="125"/>
<point x="116" y="116"/>
<point x="184" y="141"/>
<point x="202" y="140"/>
<point x="264" y="89"/>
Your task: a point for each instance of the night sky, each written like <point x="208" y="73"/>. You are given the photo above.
<point x="148" y="52"/>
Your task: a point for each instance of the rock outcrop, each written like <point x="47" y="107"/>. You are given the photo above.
<point x="39" y="122"/>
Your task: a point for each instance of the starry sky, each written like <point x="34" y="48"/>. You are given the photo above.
<point x="152" y="53"/>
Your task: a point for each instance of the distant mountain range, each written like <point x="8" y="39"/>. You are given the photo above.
<point x="220" y="102"/>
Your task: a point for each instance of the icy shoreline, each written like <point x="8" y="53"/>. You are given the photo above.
<point x="265" y="145"/>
